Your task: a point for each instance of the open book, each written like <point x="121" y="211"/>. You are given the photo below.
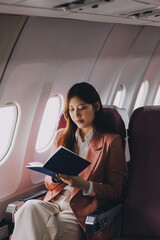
<point x="62" y="161"/>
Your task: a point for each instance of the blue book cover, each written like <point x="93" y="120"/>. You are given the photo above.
<point x="62" y="161"/>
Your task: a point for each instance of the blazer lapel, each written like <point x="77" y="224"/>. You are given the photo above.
<point x="93" y="155"/>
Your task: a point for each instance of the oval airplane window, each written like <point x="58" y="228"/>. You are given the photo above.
<point x="8" y="120"/>
<point x="120" y="96"/>
<point x="157" y="97"/>
<point x="142" y="94"/>
<point x="48" y="123"/>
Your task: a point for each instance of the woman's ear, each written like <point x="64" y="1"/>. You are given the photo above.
<point x="97" y="106"/>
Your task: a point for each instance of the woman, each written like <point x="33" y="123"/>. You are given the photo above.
<point x="62" y="213"/>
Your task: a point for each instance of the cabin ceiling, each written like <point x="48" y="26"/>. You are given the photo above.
<point x="138" y="12"/>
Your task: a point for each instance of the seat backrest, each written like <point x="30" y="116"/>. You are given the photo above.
<point x="115" y="122"/>
<point x="141" y="215"/>
<point x="62" y="122"/>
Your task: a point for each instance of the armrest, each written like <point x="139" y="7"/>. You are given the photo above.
<point x="12" y="208"/>
<point x="103" y="217"/>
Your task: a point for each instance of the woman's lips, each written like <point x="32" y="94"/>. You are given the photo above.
<point x="79" y="121"/>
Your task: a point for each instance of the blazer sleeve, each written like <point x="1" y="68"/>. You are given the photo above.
<point x="50" y="185"/>
<point x="112" y="169"/>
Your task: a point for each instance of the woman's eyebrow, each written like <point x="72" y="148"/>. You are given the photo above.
<point x="82" y="104"/>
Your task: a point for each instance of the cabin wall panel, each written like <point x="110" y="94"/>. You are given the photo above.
<point x="152" y="75"/>
<point x="112" y="60"/>
<point x="138" y="60"/>
<point x="10" y="27"/>
<point x="124" y="60"/>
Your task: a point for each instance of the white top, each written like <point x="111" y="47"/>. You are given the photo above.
<point x="83" y="148"/>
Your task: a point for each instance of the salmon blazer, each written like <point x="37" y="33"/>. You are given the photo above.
<point x="106" y="171"/>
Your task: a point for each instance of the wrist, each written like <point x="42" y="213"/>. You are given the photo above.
<point x="56" y="179"/>
<point x="90" y="191"/>
<point x="86" y="186"/>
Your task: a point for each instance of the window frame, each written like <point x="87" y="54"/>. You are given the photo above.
<point x="12" y="133"/>
<point x="142" y="94"/>
<point x="120" y="96"/>
<point x="48" y="143"/>
<point x="157" y="97"/>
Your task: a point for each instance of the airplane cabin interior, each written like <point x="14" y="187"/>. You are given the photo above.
<point x="46" y="46"/>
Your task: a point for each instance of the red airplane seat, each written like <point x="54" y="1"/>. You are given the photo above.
<point x="62" y="122"/>
<point x="141" y="212"/>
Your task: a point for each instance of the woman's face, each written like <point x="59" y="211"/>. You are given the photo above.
<point x="82" y="114"/>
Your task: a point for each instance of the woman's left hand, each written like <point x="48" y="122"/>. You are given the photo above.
<point x="74" y="181"/>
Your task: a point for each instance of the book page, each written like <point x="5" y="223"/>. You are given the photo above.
<point x="35" y="164"/>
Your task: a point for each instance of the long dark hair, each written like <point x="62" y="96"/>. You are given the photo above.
<point x="88" y="94"/>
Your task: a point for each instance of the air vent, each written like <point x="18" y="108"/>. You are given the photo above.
<point x="146" y="13"/>
<point x="79" y="5"/>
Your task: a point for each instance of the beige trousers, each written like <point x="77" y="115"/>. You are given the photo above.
<point x="39" y="220"/>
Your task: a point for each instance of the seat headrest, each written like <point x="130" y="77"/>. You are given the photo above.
<point x="115" y="123"/>
<point x="145" y="121"/>
<point x="115" y="120"/>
